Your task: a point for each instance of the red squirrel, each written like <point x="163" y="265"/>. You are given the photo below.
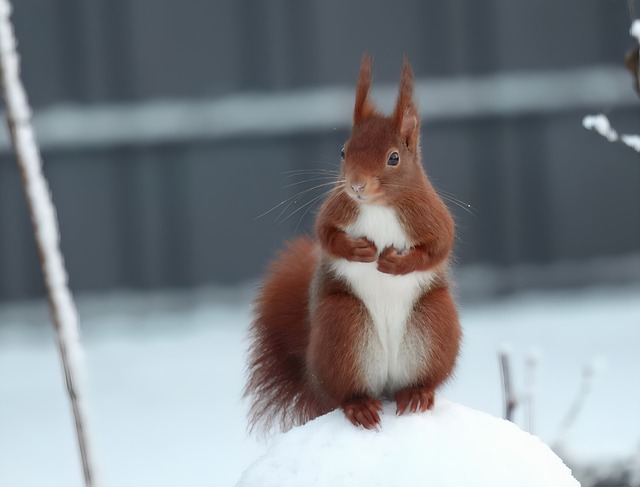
<point x="363" y="312"/>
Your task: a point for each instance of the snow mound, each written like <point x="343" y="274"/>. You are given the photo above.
<point x="449" y="447"/>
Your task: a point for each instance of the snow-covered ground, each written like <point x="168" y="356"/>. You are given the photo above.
<point x="166" y="371"/>
<point x="419" y="447"/>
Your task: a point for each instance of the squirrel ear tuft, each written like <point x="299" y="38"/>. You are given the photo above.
<point x="363" y="107"/>
<point x="410" y="127"/>
<point x="405" y="115"/>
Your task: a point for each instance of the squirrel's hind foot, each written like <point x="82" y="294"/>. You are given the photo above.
<point x="363" y="411"/>
<point x="414" y="399"/>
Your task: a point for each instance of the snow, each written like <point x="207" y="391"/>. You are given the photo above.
<point x="600" y="123"/>
<point x="45" y="223"/>
<point x="452" y="446"/>
<point x="635" y="30"/>
<point x="632" y="141"/>
<point x="166" y="372"/>
<point x="15" y="94"/>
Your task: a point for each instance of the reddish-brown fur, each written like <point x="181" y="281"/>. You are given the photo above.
<point x="278" y="383"/>
<point x="310" y="326"/>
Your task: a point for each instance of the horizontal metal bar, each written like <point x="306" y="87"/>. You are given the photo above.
<point x="323" y="109"/>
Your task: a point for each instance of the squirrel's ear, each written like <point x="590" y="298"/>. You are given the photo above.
<point x="363" y="107"/>
<point x="405" y="114"/>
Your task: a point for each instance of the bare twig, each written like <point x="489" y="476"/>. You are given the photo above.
<point x="43" y="218"/>
<point x="531" y="368"/>
<point x="510" y="401"/>
<point x="588" y="373"/>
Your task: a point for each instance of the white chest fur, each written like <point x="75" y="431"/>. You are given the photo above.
<point x="391" y="358"/>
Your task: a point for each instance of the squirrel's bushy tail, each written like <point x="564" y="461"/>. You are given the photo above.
<point x="278" y="386"/>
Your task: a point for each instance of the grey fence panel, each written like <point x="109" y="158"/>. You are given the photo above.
<point x="183" y="213"/>
<point x="541" y="190"/>
<point x="121" y="50"/>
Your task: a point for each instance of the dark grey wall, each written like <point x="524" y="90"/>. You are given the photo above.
<point x="118" y="50"/>
<point x="182" y="214"/>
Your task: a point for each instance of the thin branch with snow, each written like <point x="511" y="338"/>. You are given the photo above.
<point x="45" y="226"/>
<point x="600" y="122"/>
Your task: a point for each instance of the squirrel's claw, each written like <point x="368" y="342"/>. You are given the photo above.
<point x="414" y="399"/>
<point x="363" y="412"/>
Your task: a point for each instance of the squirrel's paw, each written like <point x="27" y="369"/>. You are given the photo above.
<point x="362" y="250"/>
<point x="393" y="262"/>
<point x="414" y="399"/>
<point x="364" y="411"/>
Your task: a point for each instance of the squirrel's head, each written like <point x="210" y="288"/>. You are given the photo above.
<point x="381" y="159"/>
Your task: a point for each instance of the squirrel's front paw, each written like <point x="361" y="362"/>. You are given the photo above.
<point x="362" y="250"/>
<point x="393" y="262"/>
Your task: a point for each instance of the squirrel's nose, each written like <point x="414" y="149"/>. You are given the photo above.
<point x="358" y="187"/>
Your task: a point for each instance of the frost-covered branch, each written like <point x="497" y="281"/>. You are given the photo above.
<point x="45" y="226"/>
<point x="600" y="123"/>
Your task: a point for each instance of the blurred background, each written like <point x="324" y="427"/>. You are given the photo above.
<point x="167" y="128"/>
<point x="169" y="132"/>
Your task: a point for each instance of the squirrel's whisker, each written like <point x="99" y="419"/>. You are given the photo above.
<point x="294" y="197"/>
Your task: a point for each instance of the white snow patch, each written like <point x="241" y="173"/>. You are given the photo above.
<point x="635" y="30"/>
<point x="167" y="371"/>
<point x="505" y="348"/>
<point x="632" y="141"/>
<point x="451" y="446"/>
<point x="600" y="123"/>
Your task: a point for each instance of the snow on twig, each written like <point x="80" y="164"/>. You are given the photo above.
<point x="632" y="141"/>
<point x="47" y="237"/>
<point x="600" y="123"/>
<point x="635" y="30"/>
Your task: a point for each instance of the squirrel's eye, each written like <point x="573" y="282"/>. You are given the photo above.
<point x="394" y="159"/>
<point x="342" y="153"/>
